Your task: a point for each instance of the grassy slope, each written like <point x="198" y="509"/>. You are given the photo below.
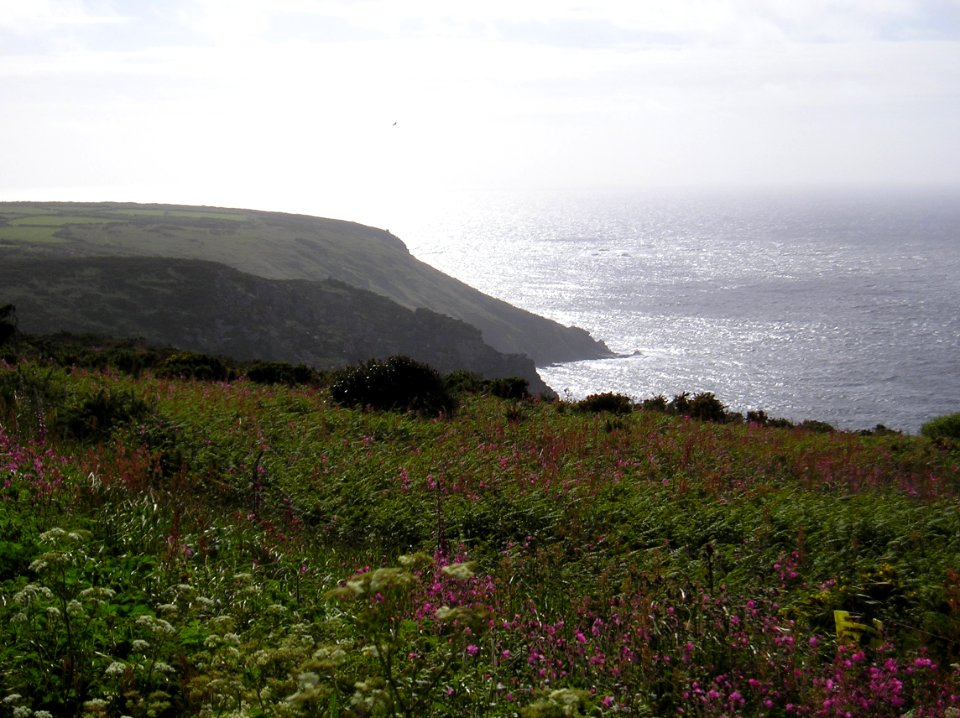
<point x="650" y="562"/>
<point x="282" y="246"/>
<point x="208" y="307"/>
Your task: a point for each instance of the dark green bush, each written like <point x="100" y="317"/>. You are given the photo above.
<point x="397" y="383"/>
<point x="462" y="381"/>
<point x="820" y="427"/>
<point x="655" y="403"/>
<point x="8" y="322"/>
<point x="187" y="365"/>
<point x="680" y="404"/>
<point x="94" y="417"/>
<point x="269" y="372"/>
<point x="608" y="401"/>
<point x="943" y="427"/>
<point x="513" y="387"/>
<point x="707" y="407"/>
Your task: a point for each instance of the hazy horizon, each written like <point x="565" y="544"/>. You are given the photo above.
<point x="326" y="107"/>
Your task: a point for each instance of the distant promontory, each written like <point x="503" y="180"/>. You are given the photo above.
<point x="261" y="284"/>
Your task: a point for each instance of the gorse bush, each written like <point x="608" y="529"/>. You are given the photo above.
<point x="397" y="383"/>
<point x="608" y="401"/>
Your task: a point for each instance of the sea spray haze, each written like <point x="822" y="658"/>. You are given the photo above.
<point x="246" y="549"/>
<point x="833" y="306"/>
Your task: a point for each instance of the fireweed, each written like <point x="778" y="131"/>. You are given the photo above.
<point x="653" y="566"/>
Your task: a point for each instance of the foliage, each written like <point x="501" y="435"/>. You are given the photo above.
<point x="190" y="365"/>
<point x="397" y="383"/>
<point x="943" y="427"/>
<point x="8" y="322"/>
<point x="608" y="401"/>
<point x="258" y="549"/>
<point x="513" y="387"/>
<point x="264" y="372"/>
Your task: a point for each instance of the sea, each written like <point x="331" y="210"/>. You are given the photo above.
<point x="834" y="306"/>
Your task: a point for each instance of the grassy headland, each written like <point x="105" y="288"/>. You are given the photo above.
<point x="179" y="547"/>
<point x="273" y="247"/>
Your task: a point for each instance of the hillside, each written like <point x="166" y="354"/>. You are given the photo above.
<point x="278" y="246"/>
<point x="211" y="308"/>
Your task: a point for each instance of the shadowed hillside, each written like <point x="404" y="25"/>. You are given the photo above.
<point x="208" y="307"/>
<point x="283" y="247"/>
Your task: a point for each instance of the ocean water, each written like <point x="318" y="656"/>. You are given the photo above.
<point x="842" y="307"/>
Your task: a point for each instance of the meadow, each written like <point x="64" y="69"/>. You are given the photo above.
<point x="170" y="546"/>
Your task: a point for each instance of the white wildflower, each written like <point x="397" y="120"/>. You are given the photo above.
<point x="75" y="608"/>
<point x="307" y="681"/>
<point x="52" y="535"/>
<point x="117" y="668"/>
<point x="459" y="571"/>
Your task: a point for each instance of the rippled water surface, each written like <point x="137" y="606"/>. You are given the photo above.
<point x="843" y="308"/>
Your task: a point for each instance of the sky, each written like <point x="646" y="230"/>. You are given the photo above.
<point x="329" y="106"/>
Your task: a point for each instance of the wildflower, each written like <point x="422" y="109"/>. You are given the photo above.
<point x="472" y="649"/>
<point x="307" y="681"/>
<point x="459" y="571"/>
<point x="117" y="668"/>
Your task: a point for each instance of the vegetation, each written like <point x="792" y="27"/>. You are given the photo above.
<point x="943" y="428"/>
<point x="395" y="383"/>
<point x="200" y="258"/>
<point x="175" y="546"/>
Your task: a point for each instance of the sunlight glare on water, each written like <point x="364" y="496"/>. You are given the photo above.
<point x="837" y="308"/>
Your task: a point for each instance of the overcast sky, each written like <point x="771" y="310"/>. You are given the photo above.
<point x="317" y="105"/>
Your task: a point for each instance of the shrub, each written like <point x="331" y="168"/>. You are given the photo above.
<point x="269" y="372"/>
<point x="707" y="407"/>
<point x="97" y="415"/>
<point x="943" y="427"/>
<point x="655" y="403"/>
<point x="512" y="387"/>
<point x="680" y="404"/>
<point x="8" y="322"/>
<point x="608" y="401"/>
<point x="397" y="383"/>
<point x="187" y="365"/>
<point x="464" y="382"/>
<point x="819" y="427"/>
